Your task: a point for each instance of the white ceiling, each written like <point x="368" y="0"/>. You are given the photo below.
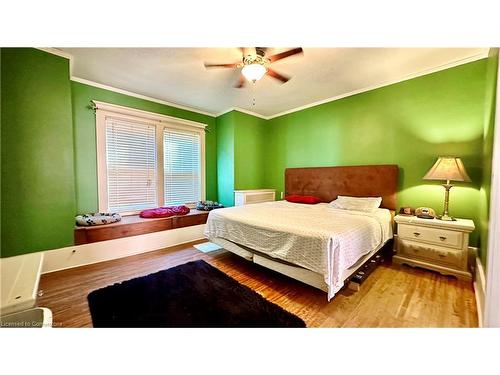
<point x="177" y="75"/>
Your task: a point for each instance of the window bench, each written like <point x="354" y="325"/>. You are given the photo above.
<point x="134" y="225"/>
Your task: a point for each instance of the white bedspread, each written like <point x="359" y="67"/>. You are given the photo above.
<point x="317" y="237"/>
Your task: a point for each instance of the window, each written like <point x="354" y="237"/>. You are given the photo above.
<point x="182" y="167"/>
<point x="147" y="160"/>
<point x="131" y="165"/>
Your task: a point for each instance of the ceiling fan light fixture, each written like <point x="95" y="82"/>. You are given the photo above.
<point x="253" y="72"/>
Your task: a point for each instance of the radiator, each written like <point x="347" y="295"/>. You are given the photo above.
<point x="242" y="197"/>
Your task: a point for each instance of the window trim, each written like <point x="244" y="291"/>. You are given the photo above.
<point x="106" y="110"/>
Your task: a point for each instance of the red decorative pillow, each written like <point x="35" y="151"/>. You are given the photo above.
<point x="306" y="199"/>
<point x="164" y="212"/>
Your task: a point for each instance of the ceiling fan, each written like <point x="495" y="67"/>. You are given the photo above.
<point x="255" y="66"/>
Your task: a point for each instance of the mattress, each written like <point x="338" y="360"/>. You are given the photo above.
<point x="317" y="237"/>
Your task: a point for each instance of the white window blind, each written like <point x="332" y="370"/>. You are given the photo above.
<point x="182" y="166"/>
<point x="131" y="165"/>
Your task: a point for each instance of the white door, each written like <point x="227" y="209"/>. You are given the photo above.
<point x="492" y="303"/>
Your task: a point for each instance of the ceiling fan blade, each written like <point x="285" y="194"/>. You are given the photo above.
<point x="241" y="82"/>
<point x="278" y="76"/>
<point x="221" y="65"/>
<point x="282" y="55"/>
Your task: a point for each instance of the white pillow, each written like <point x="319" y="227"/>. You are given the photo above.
<point x="357" y="204"/>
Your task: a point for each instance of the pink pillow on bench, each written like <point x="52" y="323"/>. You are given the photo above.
<point x="164" y="212"/>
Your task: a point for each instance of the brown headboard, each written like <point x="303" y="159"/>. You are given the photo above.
<point x="327" y="183"/>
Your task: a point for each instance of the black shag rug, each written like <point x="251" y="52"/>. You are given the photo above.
<point x="194" y="294"/>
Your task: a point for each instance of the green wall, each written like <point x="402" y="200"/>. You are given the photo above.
<point x="49" y="160"/>
<point x="409" y="123"/>
<point x="249" y="151"/>
<point x="38" y="190"/>
<point x="85" y="139"/>
<point x="225" y="158"/>
<point x="48" y="149"/>
<point x="240" y="153"/>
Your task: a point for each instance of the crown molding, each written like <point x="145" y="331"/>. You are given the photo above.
<point x="453" y="64"/>
<point x="139" y="96"/>
<point x="70" y="57"/>
<point x="387" y="83"/>
<point x="242" y="110"/>
<point x="56" y="52"/>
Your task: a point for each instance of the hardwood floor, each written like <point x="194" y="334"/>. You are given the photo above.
<point x="392" y="296"/>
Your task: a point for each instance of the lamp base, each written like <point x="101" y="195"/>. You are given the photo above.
<point x="446" y="218"/>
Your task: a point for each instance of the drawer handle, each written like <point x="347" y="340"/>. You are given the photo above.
<point x="442" y="255"/>
<point x="416" y="234"/>
<point x="416" y="250"/>
<point x="442" y="238"/>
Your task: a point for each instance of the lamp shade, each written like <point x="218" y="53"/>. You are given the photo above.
<point x="448" y="168"/>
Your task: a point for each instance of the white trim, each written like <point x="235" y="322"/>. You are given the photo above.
<point x="225" y="111"/>
<point x="55" y="51"/>
<point x="71" y="58"/>
<point x="161" y="122"/>
<point x="102" y="174"/>
<point x="76" y="256"/>
<point x="479" y="290"/>
<point x="331" y="99"/>
<point x="140" y="96"/>
<point x="387" y="83"/>
<point x="492" y="303"/>
<point x="242" y="110"/>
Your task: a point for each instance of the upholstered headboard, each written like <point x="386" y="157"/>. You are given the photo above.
<point x="357" y="181"/>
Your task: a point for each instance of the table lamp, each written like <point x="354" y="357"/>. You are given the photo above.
<point x="448" y="168"/>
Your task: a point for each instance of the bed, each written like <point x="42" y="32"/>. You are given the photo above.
<point x="317" y="244"/>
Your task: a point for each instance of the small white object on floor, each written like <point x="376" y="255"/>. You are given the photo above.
<point x="207" y="247"/>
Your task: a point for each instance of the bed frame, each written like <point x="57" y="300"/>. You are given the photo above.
<point x="327" y="183"/>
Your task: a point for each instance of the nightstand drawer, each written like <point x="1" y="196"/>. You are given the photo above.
<point x="449" y="257"/>
<point x="441" y="237"/>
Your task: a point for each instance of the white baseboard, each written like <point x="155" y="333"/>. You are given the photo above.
<point x="479" y="290"/>
<point x="75" y="256"/>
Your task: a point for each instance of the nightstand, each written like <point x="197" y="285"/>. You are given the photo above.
<point x="442" y="246"/>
